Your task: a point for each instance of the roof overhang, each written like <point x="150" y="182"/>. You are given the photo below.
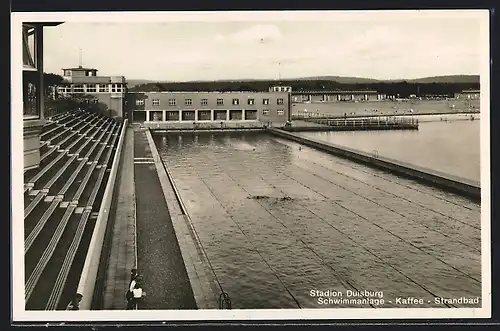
<point x="44" y="23"/>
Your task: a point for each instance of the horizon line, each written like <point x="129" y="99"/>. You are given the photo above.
<point x="296" y="78"/>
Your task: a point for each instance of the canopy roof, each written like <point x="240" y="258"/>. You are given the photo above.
<point x="44" y="23"/>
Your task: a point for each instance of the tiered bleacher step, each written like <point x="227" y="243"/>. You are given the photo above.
<point x="62" y="200"/>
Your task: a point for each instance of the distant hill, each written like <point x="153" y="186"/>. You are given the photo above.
<point x="341" y="79"/>
<point x="454" y="79"/>
<point x="134" y="82"/>
<point x="450" y="79"/>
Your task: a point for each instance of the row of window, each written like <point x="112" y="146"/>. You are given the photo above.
<point x="265" y="112"/>
<point x="69" y="73"/>
<point x="204" y="102"/>
<point x="280" y="112"/>
<point x="282" y="89"/>
<point x="92" y="88"/>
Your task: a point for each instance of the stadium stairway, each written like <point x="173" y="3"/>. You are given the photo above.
<point x="61" y="203"/>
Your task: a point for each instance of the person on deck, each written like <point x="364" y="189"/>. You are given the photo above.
<point x="135" y="292"/>
<point x="134" y="274"/>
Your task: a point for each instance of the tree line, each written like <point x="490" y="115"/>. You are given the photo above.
<point x="49" y="80"/>
<point x="403" y="89"/>
<point x="55" y="104"/>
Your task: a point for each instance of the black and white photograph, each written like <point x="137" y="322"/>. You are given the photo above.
<point x="250" y="165"/>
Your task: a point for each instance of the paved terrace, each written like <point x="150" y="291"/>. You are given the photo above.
<point x="143" y="234"/>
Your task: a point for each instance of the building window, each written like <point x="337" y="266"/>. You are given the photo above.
<point x="156" y="102"/>
<point x="188" y="102"/>
<point x="116" y="88"/>
<point x="251" y="101"/>
<point x="64" y="89"/>
<point x="171" y="102"/>
<point x="281" y="112"/>
<point x="78" y="88"/>
<point x="280" y="101"/>
<point x="30" y="99"/>
<point x="220" y="102"/>
<point x="265" y="101"/>
<point x="236" y="101"/>
<point x="91" y="88"/>
<point x="265" y="112"/>
<point x="103" y="88"/>
<point x="29" y="48"/>
<point x="204" y="102"/>
<point x="139" y="102"/>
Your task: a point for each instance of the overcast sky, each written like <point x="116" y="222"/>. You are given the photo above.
<point x="373" y="45"/>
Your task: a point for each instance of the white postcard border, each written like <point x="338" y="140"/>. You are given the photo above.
<point x="19" y="314"/>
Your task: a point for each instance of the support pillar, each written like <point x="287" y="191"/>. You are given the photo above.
<point x="212" y="115"/>
<point x="147" y="115"/>
<point x="243" y="117"/>
<point x="180" y="115"/>
<point x="164" y="115"/>
<point x="40" y="89"/>
<point x="196" y="115"/>
<point x="227" y="115"/>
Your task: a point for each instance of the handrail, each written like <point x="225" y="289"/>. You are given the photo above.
<point x="224" y="301"/>
<point x="365" y="122"/>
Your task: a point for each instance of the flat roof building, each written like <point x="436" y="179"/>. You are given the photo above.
<point x="169" y="106"/>
<point x="336" y="95"/>
<point x="108" y="90"/>
<point x="468" y="94"/>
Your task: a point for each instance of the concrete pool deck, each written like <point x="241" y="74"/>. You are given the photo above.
<point x="143" y="236"/>
<point x="465" y="187"/>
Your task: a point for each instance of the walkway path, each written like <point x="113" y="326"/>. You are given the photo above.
<point x="123" y="254"/>
<point x="160" y="260"/>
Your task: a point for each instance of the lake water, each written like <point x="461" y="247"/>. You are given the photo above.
<point x="278" y="221"/>
<point x="452" y="147"/>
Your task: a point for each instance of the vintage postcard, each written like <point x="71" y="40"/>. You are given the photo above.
<point x="220" y="166"/>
